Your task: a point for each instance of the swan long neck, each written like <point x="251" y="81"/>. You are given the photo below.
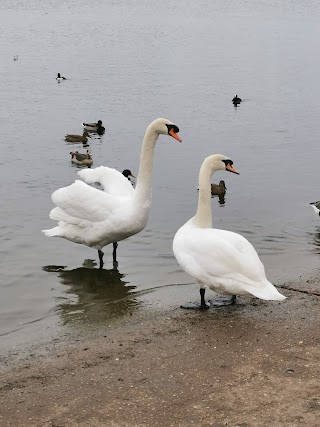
<point x="143" y="190"/>
<point x="203" y="217"/>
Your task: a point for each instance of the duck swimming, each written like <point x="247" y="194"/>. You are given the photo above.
<point x="78" y="138"/>
<point x="81" y="159"/>
<point x="236" y="100"/>
<point x="96" y="218"/>
<point x="221" y="260"/>
<point x="94" y="127"/>
<point x="59" y="78"/>
<point x="218" y="190"/>
<point x="127" y="173"/>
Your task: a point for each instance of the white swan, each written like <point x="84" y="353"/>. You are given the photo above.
<point x="221" y="260"/>
<point x="97" y="218"/>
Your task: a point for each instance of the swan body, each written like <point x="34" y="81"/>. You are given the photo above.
<point x="97" y="218"/>
<point x="77" y="138"/>
<point x="221" y="260"/>
<point x="94" y="127"/>
<point x="81" y="159"/>
<point x="316" y="207"/>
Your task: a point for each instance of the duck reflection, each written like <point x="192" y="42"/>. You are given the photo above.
<point x="222" y="200"/>
<point x="93" y="295"/>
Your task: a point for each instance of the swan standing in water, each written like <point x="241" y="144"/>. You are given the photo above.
<point x="97" y="218"/>
<point x="218" y="259"/>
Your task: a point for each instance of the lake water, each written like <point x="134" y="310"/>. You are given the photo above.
<point x="128" y="63"/>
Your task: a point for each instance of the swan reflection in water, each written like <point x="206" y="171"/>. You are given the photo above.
<point x="93" y="295"/>
<point x="315" y="240"/>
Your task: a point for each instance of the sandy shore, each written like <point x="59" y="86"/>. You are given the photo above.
<point x="249" y="365"/>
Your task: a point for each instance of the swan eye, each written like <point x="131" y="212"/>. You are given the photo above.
<point x="173" y="127"/>
<point x="228" y="162"/>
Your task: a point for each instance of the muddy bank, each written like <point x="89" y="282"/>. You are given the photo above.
<point x="250" y="365"/>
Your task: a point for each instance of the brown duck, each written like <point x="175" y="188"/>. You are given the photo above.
<point x="81" y="159"/>
<point x="78" y="138"/>
<point x="218" y="190"/>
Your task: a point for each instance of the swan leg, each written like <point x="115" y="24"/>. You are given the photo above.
<point x="100" y="258"/>
<point x="221" y="301"/>
<point x="114" y="255"/>
<point x="202" y="306"/>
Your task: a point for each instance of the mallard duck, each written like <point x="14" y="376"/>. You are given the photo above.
<point x="59" y="78"/>
<point x="127" y="173"/>
<point x="218" y="190"/>
<point x="236" y="100"/>
<point x="78" y="138"/>
<point x="81" y="159"/>
<point x="221" y="260"/>
<point x="316" y="207"/>
<point x="98" y="218"/>
<point x="94" y="127"/>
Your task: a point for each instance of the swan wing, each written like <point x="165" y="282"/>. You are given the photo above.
<point x="223" y="258"/>
<point x="112" y="181"/>
<point x="82" y="203"/>
<point x="217" y="253"/>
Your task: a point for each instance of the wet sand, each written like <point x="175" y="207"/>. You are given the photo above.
<point x="249" y="365"/>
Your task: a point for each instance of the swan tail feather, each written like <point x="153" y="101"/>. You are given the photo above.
<point x="60" y="215"/>
<point x="52" y="232"/>
<point x="266" y="292"/>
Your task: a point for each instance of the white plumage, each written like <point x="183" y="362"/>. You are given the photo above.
<point x="97" y="218"/>
<point x="221" y="260"/>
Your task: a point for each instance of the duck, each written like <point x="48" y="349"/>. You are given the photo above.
<point x="224" y="261"/>
<point x="81" y="159"/>
<point x="94" y="127"/>
<point x="218" y="190"/>
<point x="15" y="58"/>
<point x="127" y="173"/>
<point x="316" y="207"/>
<point x="78" y="138"/>
<point x="96" y="218"/>
<point x="236" y="100"/>
<point x="59" y="78"/>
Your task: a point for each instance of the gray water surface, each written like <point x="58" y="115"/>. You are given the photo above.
<point x="128" y="63"/>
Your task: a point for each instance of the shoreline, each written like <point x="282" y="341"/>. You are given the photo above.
<point x="250" y="365"/>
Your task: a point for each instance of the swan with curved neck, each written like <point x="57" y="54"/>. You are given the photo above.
<point x="221" y="260"/>
<point x="97" y="218"/>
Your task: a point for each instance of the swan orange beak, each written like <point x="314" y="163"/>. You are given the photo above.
<point x="231" y="169"/>
<point x="174" y="135"/>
